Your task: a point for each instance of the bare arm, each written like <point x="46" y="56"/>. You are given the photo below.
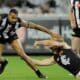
<point x="51" y="43"/>
<point x="44" y="62"/>
<point x="48" y="43"/>
<point x="36" y="26"/>
<point x="41" y="28"/>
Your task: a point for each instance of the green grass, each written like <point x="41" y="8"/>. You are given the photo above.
<point x="18" y="70"/>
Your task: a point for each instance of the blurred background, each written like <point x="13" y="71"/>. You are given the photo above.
<point x="52" y="14"/>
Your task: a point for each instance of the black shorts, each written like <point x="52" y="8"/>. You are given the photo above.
<point x="9" y="40"/>
<point x="76" y="32"/>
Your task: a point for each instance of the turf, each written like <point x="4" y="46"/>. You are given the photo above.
<point x="18" y="70"/>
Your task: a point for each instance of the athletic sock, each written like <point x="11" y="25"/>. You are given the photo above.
<point x="38" y="72"/>
<point x="40" y="75"/>
<point x="3" y="65"/>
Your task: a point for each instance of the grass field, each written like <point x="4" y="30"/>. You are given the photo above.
<point x="18" y="70"/>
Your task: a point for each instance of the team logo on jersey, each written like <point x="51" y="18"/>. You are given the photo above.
<point x="65" y="60"/>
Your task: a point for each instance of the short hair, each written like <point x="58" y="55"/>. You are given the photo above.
<point x="13" y="11"/>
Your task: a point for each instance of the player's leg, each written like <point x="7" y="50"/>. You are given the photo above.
<point x="2" y="47"/>
<point x="3" y="62"/>
<point x="18" y="48"/>
<point x="78" y="76"/>
<point x="75" y="44"/>
<point x="79" y="46"/>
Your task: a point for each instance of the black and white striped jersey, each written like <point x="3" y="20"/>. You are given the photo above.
<point x="6" y="28"/>
<point x="76" y="11"/>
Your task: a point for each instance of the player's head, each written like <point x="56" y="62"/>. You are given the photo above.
<point x="12" y="16"/>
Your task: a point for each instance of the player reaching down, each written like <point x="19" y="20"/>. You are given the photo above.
<point x="62" y="55"/>
<point x="9" y="23"/>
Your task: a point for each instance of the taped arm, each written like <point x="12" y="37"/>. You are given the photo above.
<point x="41" y="28"/>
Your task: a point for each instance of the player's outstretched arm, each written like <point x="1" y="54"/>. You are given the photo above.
<point x="51" y="43"/>
<point x="44" y="62"/>
<point x="41" y="28"/>
<point x="48" y="43"/>
<point x="36" y="26"/>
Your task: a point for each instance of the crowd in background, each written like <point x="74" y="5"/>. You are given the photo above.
<point x="34" y="6"/>
<point x="31" y="9"/>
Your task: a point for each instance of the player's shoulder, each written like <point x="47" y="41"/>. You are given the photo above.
<point x="3" y="15"/>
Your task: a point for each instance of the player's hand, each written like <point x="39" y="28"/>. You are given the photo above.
<point x="36" y="44"/>
<point x="57" y="37"/>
